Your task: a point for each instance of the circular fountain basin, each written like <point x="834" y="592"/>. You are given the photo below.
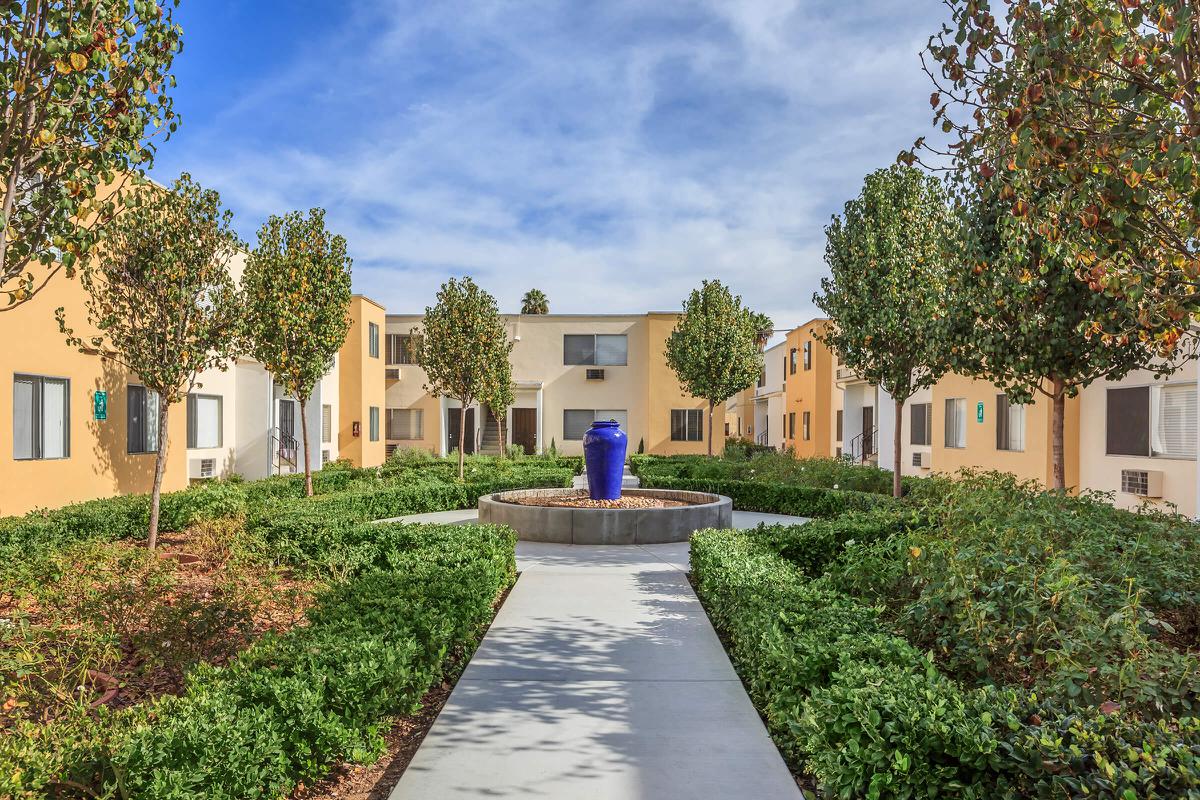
<point x="642" y="516"/>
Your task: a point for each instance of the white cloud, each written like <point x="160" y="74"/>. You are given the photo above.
<point x="611" y="154"/>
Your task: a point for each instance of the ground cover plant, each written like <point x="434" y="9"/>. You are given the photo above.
<point x="980" y="638"/>
<point x="267" y="640"/>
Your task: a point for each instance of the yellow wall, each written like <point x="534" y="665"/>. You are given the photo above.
<point x="1034" y="462"/>
<point x="362" y="386"/>
<point x="98" y="464"/>
<point x="808" y="391"/>
<point x="664" y="394"/>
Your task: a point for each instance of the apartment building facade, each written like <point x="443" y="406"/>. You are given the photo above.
<point x="568" y="370"/>
<point x="757" y="413"/>
<point x="80" y="426"/>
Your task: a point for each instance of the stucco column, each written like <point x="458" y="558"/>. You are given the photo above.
<point x="885" y="428"/>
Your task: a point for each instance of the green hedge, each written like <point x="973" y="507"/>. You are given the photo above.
<point x="775" y="498"/>
<point x="291" y="705"/>
<point x="870" y="715"/>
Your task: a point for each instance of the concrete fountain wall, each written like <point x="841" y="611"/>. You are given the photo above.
<point x="607" y="525"/>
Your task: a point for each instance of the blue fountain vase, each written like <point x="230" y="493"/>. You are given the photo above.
<point x="604" y="447"/>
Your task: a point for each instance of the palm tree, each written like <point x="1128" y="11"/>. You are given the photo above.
<point x="764" y="327"/>
<point x="535" y="302"/>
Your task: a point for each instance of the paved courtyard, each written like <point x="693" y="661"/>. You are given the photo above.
<point x="601" y="677"/>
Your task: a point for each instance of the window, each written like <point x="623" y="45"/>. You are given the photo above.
<point x="839" y="425"/>
<point x="806" y="425"/>
<point x="762" y="379"/>
<point x="1152" y="421"/>
<point x="373" y="418"/>
<point x="956" y="422"/>
<point x="141" y="420"/>
<point x="791" y="425"/>
<point x="726" y="428"/>
<point x="372" y="340"/>
<point x="576" y="421"/>
<point x="405" y="423"/>
<point x="401" y="349"/>
<point x="204" y="420"/>
<point x="808" y="355"/>
<point x="41" y="417"/>
<point x="598" y="350"/>
<point x="326" y="424"/>
<point x="1010" y="424"/>
<point x="792" y="360"/>
<point x="687" y="425"/>
<point x="921" y="424"/>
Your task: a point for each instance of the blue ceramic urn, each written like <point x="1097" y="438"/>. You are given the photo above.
<point x="604" y="454"/>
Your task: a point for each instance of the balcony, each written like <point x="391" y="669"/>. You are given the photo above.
<point x="845" y="376"/>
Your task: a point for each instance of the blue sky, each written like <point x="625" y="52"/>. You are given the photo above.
<point x="612" y="154"/>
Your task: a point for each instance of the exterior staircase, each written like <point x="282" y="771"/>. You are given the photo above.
<point x="489" y="442"/>
<point x="628" y="480"/>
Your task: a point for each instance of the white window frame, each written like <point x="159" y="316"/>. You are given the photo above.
<point x="595" y="361"/>
<point x="37" y="419"/>
<point x="960" y="416"/>
<point x="692" y="432"/>
<point x="149" y="443"/>
<point x="193" y="429"/>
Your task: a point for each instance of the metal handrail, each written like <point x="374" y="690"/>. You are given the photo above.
<point x="863" y="446"/>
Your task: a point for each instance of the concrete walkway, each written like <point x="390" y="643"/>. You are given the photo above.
<point x="601" y="677"/>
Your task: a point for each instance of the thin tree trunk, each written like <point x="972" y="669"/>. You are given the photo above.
<point x="711" y="404"/>
<point x="503" y="435"/>
<point x="898" y="427"/>
<point x="160" y="464"/>
<point x="308" y="489"/>
<point x="1057" y="420"/>
<point x="462" y="436"/>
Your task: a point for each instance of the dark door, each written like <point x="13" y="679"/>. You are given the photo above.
<point x="524" y="432"/>
<point x="452" y="430"/>
<point x="287" y="418"/>
<point x="868" y="431"/>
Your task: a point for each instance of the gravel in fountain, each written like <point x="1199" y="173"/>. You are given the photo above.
<point x="583" y="501"/>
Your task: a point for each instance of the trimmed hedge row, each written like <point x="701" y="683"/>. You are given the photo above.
<point x="869" y="715"/>
<point x="775" y="498"/>
<point x="291" y="705"/>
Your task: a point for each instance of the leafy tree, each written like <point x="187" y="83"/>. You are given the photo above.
<point x="499" y="398"/>
<point x="886" y="294"/>
<point x="162" y="299"/>
<point x="82" y="82"/>
<point x="1084" y="117"/>
<point x="463" y="348"/>
<point x="534" y="302"/>
<point x="297" y="288"/>
<point x="1028" y="316"/>
<point x="714" y="348"/>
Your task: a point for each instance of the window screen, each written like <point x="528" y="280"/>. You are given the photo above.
<point x="1127" y="422"/>
<point x="808" y="355"/>
<point x="373" y="418"/>
<point x="372" y="340"/>
<point x="612" y="350"/>
<point x="1010" y="424"/>
<point x="405" y="423"/>
<point x="326" y="424"/>
<point x="400" y="349"/>
<point x="203" y="420"/>
<point x="806" y="425"/>
<point x="687" y="425"/>
<point x="920" y="424"/>
<point x="576" y="422"/>
<point x="601" y="350"/>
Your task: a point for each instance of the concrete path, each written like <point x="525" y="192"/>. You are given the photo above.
<point x="600" y="678"/>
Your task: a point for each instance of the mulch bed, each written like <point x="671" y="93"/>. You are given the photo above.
<point x="586" y="502"/>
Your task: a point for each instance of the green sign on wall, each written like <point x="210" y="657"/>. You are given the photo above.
<point x="979" y="412"/>
<point x="100" y="405"/>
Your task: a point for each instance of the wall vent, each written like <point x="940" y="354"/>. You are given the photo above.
<point x="595" y="374"/>
<point x="208" y="466"/>
<point x="324" y="457"/>
<point x="1142" y="482"/>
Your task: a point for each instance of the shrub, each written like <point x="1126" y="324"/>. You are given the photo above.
<point x="775" y="498"/>
<point x="207" y="501"/>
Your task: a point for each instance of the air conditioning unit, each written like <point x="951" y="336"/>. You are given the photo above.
<point x="388" y="449"/>
<point x="199" y="468"/>
<point x="392" y="373"/>
<point x="1142" y="482"/>
<point x="324" y="457"/>
<point x="595" y="374"/>
<point x="922" y="459"/>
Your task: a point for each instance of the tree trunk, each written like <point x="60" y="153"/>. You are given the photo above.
<point x="1057" y="420"/>
<point x="711" y="404"/>
<point x="160" y="465"/>
<point x="502" y="426"/>
<point x="462" y="435"/>
<point x="308" y="490"/>
<point x="897" y="460"/>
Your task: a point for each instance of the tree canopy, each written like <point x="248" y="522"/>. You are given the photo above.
<point x="297" y="289"/>
<point x="162" y="299"/>
<point x="535" y="302"/>
<point x="886" y="296"/>
<point x="463" y="347"/>
<point x="82" y="84"/>
<point x="714" y="348"/>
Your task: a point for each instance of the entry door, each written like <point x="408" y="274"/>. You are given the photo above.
<point x="868" y="435"/>
<point x="452" y="438"/>
<point x="287" y="418"/>
<point x="524" y="429"/>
